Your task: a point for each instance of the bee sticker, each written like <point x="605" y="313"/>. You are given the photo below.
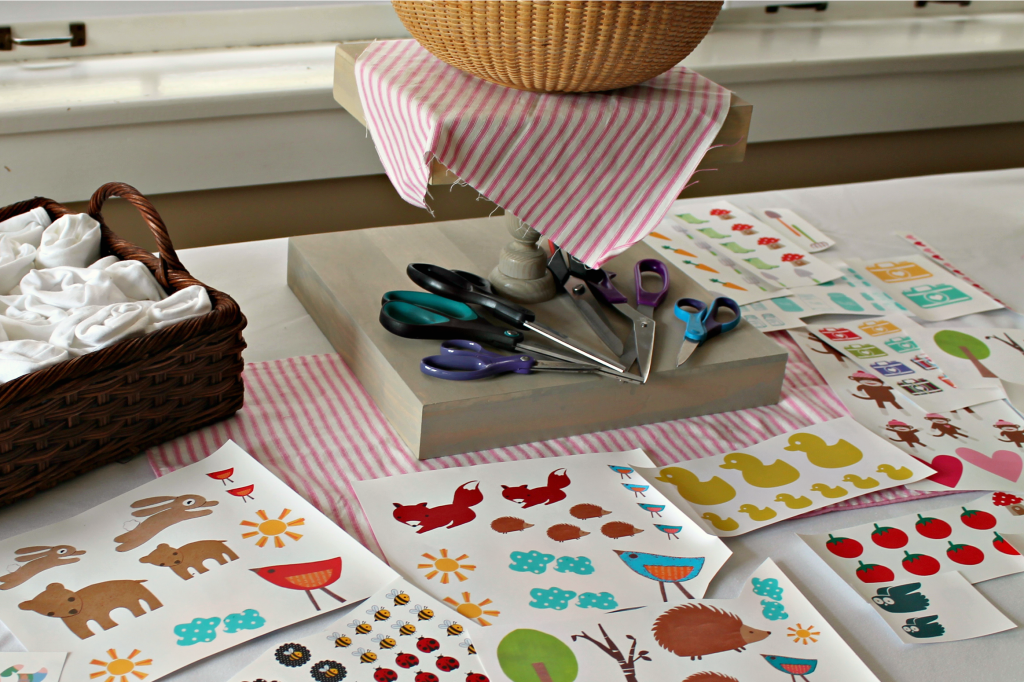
<point x="340" y="641"/>
<point x="384" y="641"/>
<point x="467" y="644"/>
<point x="361" y="627"/>
<point x="365" y="655"/>
<point x="404" y="628"/>
<point x="451" y="627"/>
<point x="422" y="612"/>
<point x="379" y="613"/>
<point x="327" y="671"/>
<point x="400" y="598"/>
<point x="292" y="655"/>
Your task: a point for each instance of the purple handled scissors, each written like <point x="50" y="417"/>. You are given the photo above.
<point x="462" y="360"/>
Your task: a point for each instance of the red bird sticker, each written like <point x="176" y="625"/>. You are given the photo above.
<point x="305" y="577"/>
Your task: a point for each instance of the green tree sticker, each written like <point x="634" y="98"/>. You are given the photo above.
<point x="965" y="347"/>
<point x="535" y="656"/>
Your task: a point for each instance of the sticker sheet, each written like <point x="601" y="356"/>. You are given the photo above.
<point x="32" y="667"/>
<point x="399" y="634"/>
<point x="922" y="565"/>
<point x="966" y="447"/>
<point x="715" y="267"/>
<point x="520" y="540"/>
<point x="769" y="633"/>
<point x="737" y="492"/>
<point x="890" y="348"/>
<point x="924" y="288"/>
<point x="179" y="569"/>
<point x="979" y="357"/>
<point x="795" y="228"/>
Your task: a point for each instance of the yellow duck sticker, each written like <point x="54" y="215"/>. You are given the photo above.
<point x="727" y="524"/>
<point x="838" y="491"/>
<point x="821" y="454"/>
<point x="793" y="502"/>
<point x="858" y="482"/>
<point x="695" y="491"/>
<point x="758" y="514"/>
<point x="901" y="474"/>
<point x="759" y="474"/>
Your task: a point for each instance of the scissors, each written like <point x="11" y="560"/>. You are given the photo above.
<point x="419" y="315"/>
<point x="572" y="276"/>
<point x="462" y="360"/>
<point x="639" y="346"/>
<point x="702" y="322"/>
<point x="451" y="285"/>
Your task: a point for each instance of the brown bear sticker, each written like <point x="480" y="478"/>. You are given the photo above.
<point x="95" y="602"/>
<point x="162" y="513"/>
<point x="192" y="555"/>
<point x="37" y="560"/>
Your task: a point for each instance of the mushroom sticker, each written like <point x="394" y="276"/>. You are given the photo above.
<point x="772" y="243"/>
<point x="794" y="259"/>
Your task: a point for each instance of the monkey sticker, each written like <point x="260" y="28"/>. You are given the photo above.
<point x="874" y="389"/>
<point x="905" y="433"/>
<point x="1010" y="433"/>
<point x="943" y="426"/>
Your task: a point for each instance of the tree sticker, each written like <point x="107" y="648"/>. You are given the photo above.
<point x="534" y="656"/>
<point x="965" y="347"/>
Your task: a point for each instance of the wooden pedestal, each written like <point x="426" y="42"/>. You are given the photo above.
<point x="340" y="277"/>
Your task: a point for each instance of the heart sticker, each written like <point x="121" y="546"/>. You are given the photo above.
<point x="948" y="470"/>
<point x="1002" y="463"/>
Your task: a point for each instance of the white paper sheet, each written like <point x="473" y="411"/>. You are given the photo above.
<point x="769" y="633"/>
<point x="978" y="357"/>
<point x="526" y="539"/>
<point x="735" y="493"/>
<point x="960" y="445"/>
<point x="924" y="288"/>
<point x="257" y="556"/>
<point x="795" y="228"/>
<point x="32" y="667"/>
<point x="890" y="348"/>
<point x="399" y="634"/>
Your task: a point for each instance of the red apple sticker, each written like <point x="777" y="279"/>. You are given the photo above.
<point x="846" y="548"/>
<point x="890" y="538"/>
<point x="936" y="529"/>
<point x="874" y="573"/>
<point x="1004" y="546"/>
<point x="920" y="564"/>
<point x="977" y="519"/>
<point x="965" y="554"/>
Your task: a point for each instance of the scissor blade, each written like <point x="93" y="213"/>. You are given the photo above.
<point x="562" y="339"/>
<point x="583" y="299"/>
<point x="644" y="331"/>
<point x="685" y="351"/>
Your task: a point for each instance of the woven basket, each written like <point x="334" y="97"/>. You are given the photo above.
<point x="559" y="46"/>
<point x="82" y="413"/>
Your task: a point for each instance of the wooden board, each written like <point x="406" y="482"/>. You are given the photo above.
<point x="732" y="136"/>
<point x="340" y="278"/>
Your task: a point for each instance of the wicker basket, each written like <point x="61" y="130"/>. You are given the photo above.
<point x="559" y="46"/>
<point x="80" y="414"/>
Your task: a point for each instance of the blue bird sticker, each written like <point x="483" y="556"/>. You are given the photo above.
<point x="663" y="569"/>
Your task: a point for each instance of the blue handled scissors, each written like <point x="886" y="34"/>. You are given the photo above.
<point x="702" y="322"/>
<point x="462" y="360"/>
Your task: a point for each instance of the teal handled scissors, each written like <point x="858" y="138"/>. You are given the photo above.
<point x="702" y="322"/>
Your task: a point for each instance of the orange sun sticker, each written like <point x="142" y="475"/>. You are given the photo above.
<point x="445" y="566"/>
<point x="803" y="635"/>
<point x="473" y="611"/>
<point x="118" y="669"/>
<point x="272" y="528"/>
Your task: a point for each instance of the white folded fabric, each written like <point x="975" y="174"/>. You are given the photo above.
<point x="3" y="332"/>
<point x="68" y="287"/>
<point x="18" y="358"/>
<point x="27" y="228"/>
<point x="89" y="329"/>
<point x="104" y="263"/>
<point x="16" y="259"/>
<point x="70" y="240"/>
<point x="26" y="317"/>
<point x="133" y="279"/>
<point x="189" y="302"/>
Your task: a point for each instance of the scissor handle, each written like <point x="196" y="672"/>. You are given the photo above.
<point x="465" y="347"/>
<point x="605" y="290"/>
<point x="466" y="366"/>
<point x="695" y="330"/>
<point x="711" y="323"/>
<point x="651" y="299"/>
<point x="415" y="322"/>
<point x="438" y="304"/>
<point x="444" y="282"/>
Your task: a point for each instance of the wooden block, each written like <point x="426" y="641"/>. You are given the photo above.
<point x="340" y="278"/>
<point x="732" y="137"/>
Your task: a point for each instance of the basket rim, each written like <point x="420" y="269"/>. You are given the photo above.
<point x="225" y="313"/>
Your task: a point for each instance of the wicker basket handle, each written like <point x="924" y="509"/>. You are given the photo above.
<point x="168" y="256"/>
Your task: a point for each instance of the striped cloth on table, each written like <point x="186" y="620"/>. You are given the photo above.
<point x="594" y="172"/>
<point x="309" y="421"/>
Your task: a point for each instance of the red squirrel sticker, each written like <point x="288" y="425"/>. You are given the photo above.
<point x="553" y="492"/>
<point x="446" y="516"/>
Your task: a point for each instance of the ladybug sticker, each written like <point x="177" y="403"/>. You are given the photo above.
<point x="385" y="675"/>
<point x="427" y="645"/>
<point x="424" y="676"/>
<point x="447" y="664"/>
<point x="407" y="660"/>
<point x="477" y="677"/>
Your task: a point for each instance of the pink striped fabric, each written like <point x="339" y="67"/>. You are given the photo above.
<point x="594" y="172"/>
<point x="310" y="422"/>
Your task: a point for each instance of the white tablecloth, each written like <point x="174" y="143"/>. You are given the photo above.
<point x="975" y="219"/>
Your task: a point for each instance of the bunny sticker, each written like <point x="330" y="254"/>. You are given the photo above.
<point x="37" y="560"/>
<point x="162" y="513"/>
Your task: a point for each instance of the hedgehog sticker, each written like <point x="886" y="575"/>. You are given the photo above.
<point x="698" y="630"/>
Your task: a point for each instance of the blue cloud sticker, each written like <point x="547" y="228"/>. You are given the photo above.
<point x="250" y="619"/>
<point x="552" y="598"/>
<point x="580" y="565"/>
<point x="530" y="562"/>
<point x="198" y="630"/>
<point x="773" y="610"/>
<point x="597" y="600"/>
<point x="769" y="587"/>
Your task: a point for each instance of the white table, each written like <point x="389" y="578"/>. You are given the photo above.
<point x="976" y="220"/>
